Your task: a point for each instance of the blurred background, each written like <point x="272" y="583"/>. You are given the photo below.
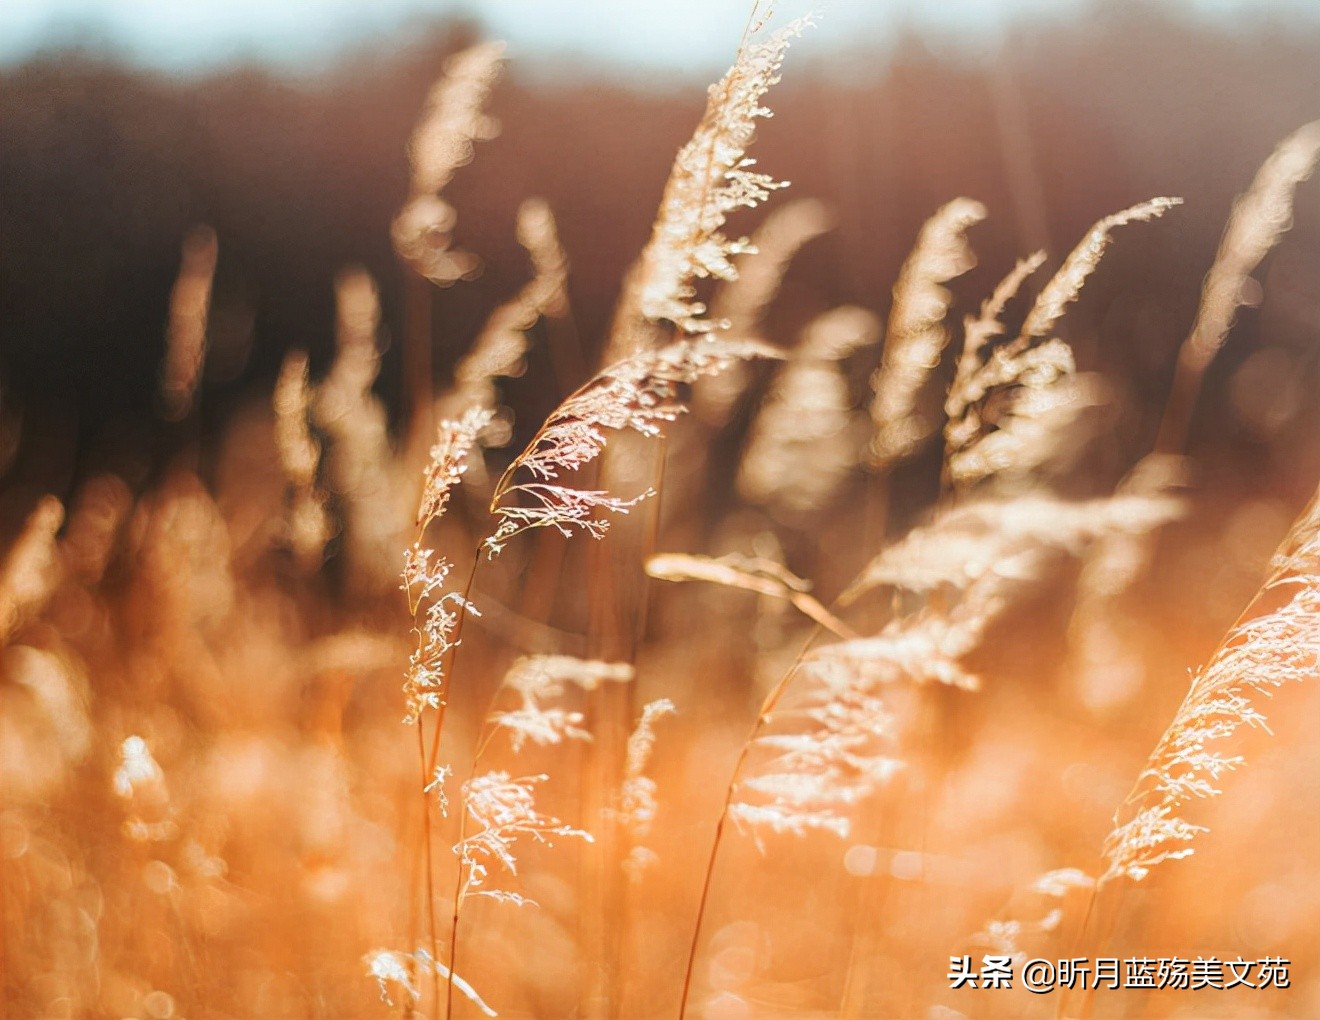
<point x="284" y="127"/>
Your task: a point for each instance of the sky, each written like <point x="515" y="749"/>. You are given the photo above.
<point x="692" y="35"/>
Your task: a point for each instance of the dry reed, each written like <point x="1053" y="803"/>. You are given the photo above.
<point x="185" y="338"/>
<point x="192" y="751"/>
<point x="902" y="411"/>
<point x="1266" y="649"/>
<point x="1033" y="376"/>
<point x="1259" y="218"/>
<point x="711" y="177"/>
<point x="807" y="436"/>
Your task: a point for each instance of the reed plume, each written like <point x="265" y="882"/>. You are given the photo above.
<point x="742" y="302"/>
<point x="359" y="456"/>
<point x="500" y="809"/>
<point x="205" y="809"/>
<point x="538" y="681"/>
<point x="750" y="573"/>
<point x="711" y="177"/>
<point x="1005" y="936"/>
<point x="902" y="411"/>
<point x="832" y="738"/>
<point x="435" y="611"/>
<point x="1007" y="542"/>
<point x="1259" y="219"/>
<point x="1265" y="650"/>
<point x="500" y="348"/>
<point x="808" y="435"/>
<point x="639" y="394"/>
<point x="1104" y="668"/>
<point x="1010" y="410"/>
<point x="452" y="120"/>
<point x="94" y="527"/>
<point x="980" y="331"/>
<point x="394" y="971"/>
<point x="185" y="337"/>
<point x="32" y="568"/>
<point x="637" y="793"/>
<point x="308" y="525"/>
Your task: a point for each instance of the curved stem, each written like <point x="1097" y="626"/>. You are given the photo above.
<point x="453" y="925"/>
<point x="414" y="890"/>
<point x="708" y="879"/>
<point x="768" y="706"/>
<point x="484" y="737"/>
<point x="1097" y="925"/>
<point x="427" y="759"/>
<point x="618" y="602"/>
<point x="503" y="486"/>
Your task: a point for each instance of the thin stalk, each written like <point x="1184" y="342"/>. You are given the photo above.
<point x="484" y="738"/>
<point x="708" y="877"/>
<point x="427" y="760"/>
<point x="541" y="579"/>
<point x="564" y="344"/>
<point x="502" y="487"/>
<point x="415" y="887"/>
<point x="1102" y="914"/>
<point x="876" y="899"/>
<point x="430" y="869"/>
<point x="458" y="901"/>
<point x="616" y="625"/>
<point x="431" y="761"/>
<point x="483" y="741"/>
<point x="434" y="756"/>
<point x="768" y="706"/>
<point x="1176" y="423"/>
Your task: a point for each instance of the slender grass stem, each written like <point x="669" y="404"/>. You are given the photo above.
<point x="768" y="706"/>
<point x="427" y="849"/>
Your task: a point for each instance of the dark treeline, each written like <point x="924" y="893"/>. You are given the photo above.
<point x="103" y="169"/>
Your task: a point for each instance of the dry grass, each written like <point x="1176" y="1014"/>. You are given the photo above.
<point x="841" y="751"/>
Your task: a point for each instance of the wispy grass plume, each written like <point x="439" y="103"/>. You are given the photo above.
<point x="442" y="142"/>
<point x="359" y="455"/>
<point x="434" y="610"/>
<point x="808" y="434"/>
<point x="902" y="411"/>
<point x="1006" y="542"/>
<point x="539" y="681"/>
<point x="1260" y="217"/>
<point x="500" y="348"/>
<point x="308" y="523"/>
<point x="711" y="177"/>
<point x="639" y="394"/>
<point x="1267" y="649"/>
<point x="637" y="793"/>
<point x="32" y="567"/>
<point x="742" y="302"/>
<point x="190" y="308"/>
<point x="1011" y="412"/>
<point x="750" y="573"/>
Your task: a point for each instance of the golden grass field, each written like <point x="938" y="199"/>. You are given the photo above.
<point x="763" y="647"/>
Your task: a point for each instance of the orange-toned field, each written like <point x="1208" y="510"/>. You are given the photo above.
<point x="450" y="570"/>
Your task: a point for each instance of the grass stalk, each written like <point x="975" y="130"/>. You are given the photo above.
<point x="616" y="623"/>
<point x="708" y="877"/>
